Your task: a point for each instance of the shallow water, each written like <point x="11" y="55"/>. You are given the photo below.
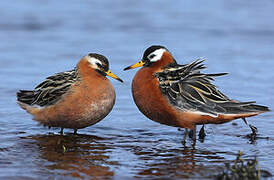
<point x="39" y="38"/>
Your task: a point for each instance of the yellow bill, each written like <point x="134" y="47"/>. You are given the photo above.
<point x="138" y="64"/>
<point x="109" y="73"/>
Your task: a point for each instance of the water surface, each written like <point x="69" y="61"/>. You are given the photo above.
<point x="40" y="38"/>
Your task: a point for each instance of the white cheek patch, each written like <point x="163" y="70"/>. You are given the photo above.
<point x="158" y="55"/>
<point x="93" y="62"/>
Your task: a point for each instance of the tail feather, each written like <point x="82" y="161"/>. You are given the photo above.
<point x="28" y="108"/>
<point x="257" y="108"/>
<point x="245" y="108"/>
<point x="25" y="96"/>
<point x="23" y="105"/>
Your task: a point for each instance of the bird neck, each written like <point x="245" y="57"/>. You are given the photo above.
<point x="164" y="61"/>
<point x="86" y="71"/>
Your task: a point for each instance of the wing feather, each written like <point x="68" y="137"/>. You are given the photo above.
<point x="187" y="88"/>
<point x="49" y="91"/>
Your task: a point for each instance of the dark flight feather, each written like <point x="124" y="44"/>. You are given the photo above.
<point x="49" y="91"/>
<point x="187" y="88"/>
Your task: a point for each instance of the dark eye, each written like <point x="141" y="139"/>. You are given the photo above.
<point x="99" y="65"/>
<point x="151" y="56"/>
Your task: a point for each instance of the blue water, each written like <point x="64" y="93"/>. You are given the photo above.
<point x="40" y="38"/>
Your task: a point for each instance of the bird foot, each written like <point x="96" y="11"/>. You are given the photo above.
<point x="202" y="133"/>
<point x="253" y="129"/>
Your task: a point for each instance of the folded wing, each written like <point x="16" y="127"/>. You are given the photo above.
<point x="49" y="91"/>
<point x="187" y="88"/>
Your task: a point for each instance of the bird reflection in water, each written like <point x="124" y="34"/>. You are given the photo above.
<point x="82" y="156"/>
<point x="181" y="163"/>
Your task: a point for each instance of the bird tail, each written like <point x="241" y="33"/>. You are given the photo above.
<point x="256" y="108"/>
<point x="234" y="110"/>
<point x="248" y="111"/>
<point x="237" y="107"/>
<point x="25" y="96"/>
<point x="25" y="99"/>
<point x="30" y="109"/>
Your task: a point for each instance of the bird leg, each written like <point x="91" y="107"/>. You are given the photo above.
<point x="185" y="135"/>
<point x="245" y="121"/>
<point x="202" y="133"/>
<point x="75" y="131"/>
<point x="253" y="128"/>
<point x="61" y="131"/>
<point x="192" y="134"/>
